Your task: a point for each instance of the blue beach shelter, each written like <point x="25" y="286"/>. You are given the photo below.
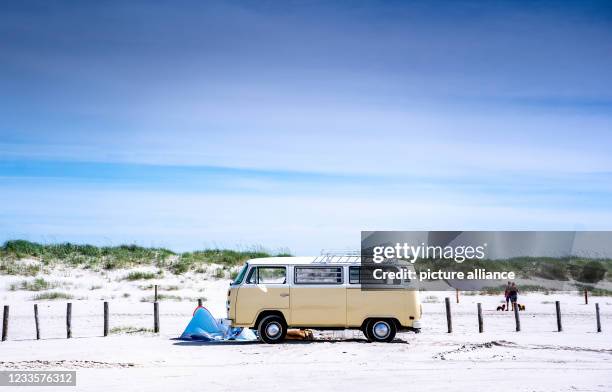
<point x="203" y="326"/>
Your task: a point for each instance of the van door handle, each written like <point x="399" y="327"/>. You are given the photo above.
<point x="284" y="294"/>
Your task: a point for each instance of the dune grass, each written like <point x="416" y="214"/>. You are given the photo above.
<point x="129" y="256"/>
<point x="169" y="297"/>
<point x="527" y="288"/>
<point x="107" y="257"/>
<point x="10" y="267"/>
<point x="52" y="295"/>
<point x="38" y="284"/>
<point x="140" y="275"/>
<point x="128" y="330"/>
<point x="552" y="268"/>
<point x="193" y="260"/>
<point x="594" y="291"/>
<point x="115" y="257"/>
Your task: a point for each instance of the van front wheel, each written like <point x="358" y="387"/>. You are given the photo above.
<point x="272" y="329"/>
<point x="380" y="330"/>
<point x="364" y="329"/>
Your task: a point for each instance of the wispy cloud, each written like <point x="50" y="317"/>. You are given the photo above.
<point x="187" y="207"/>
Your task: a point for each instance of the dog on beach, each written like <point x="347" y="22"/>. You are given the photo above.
<point x="503" y="307"/>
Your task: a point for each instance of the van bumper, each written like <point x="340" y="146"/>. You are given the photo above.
<point x="416" y="327"/>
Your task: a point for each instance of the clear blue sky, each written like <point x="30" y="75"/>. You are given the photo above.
<point x="298" y="124"/>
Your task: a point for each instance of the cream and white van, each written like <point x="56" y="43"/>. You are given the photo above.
<point x="273" y="294"/>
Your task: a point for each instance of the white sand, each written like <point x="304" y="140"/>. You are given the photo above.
<point x="535" y="359"/>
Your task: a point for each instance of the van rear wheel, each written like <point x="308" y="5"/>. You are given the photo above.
<point x="272" y="329"/>
<point x="380" y="330"/>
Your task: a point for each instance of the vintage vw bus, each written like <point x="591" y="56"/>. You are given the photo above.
<point x="324" y="292"/>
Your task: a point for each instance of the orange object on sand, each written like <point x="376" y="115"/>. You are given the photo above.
<point x="299" y="334"/>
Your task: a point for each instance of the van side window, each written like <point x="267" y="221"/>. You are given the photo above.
<point x="318" y="275"/>
<point x="354" y="275"/>
<point x="267" y="275"/>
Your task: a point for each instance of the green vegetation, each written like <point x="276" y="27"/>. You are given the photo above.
<point x="140" y="275"/>
<point x="51" y="295"/>
<point x="226" y="257"/>
<point x="220" y="273"/>
<point x="125" y="329"/>
<point x="527" y="288"/>
<point x="115" y="257"/>
<point x="169" y="297"/>
<point x="596" y="292"/>
<point x="150" y="286"/>
<point x="38" y="284"/>
<point x="536" y="289"/>
<point x="592" y="272"/>
<point x="89" y="256"/>
<point x="562" y="268"/>
<point x="600" y="292"/>
<point x="492" y="290"/>
<point x="180" y="267"/>
<point x="45" y="256"/>
<point x="10" y="267"/>
<point x="430" y="299"/>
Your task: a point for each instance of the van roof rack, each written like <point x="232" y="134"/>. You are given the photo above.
<point x="338" y="256"/>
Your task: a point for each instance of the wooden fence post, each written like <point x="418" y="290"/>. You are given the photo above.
<point x="155" y="294"/>
<point x="597" y="317"/>
<point x="517" y="319"/>
<point x="155" y="317"/>
<point x="480" y="321"/>
<point x="68" y="320"/>
<point x="558" y="308"/>
<point x="586" y="296"/>
<point x="449" y="322"/>
<point x="5" y="322"/>
<point x="105" y="318"/>
<point x="36" y="321"/>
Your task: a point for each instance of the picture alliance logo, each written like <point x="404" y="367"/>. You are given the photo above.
<point x="412" y="253"/>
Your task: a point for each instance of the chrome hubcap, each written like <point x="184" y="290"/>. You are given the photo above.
<point x="381" y="329"/>
<point x="273" y="330"/>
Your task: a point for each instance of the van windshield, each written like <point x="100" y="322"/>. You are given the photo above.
<point x="241" y="274"/>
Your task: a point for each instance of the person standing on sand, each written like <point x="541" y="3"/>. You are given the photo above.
<point x="507" y="296"/>
<point x="513" y="294"/>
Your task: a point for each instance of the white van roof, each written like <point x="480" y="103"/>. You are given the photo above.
<point x="324" y="259"/>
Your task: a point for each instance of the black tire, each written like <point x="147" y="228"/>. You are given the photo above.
<point x="364" y="330"/>
<point x="381" y="330"/>
<point x="272" y="329"/>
